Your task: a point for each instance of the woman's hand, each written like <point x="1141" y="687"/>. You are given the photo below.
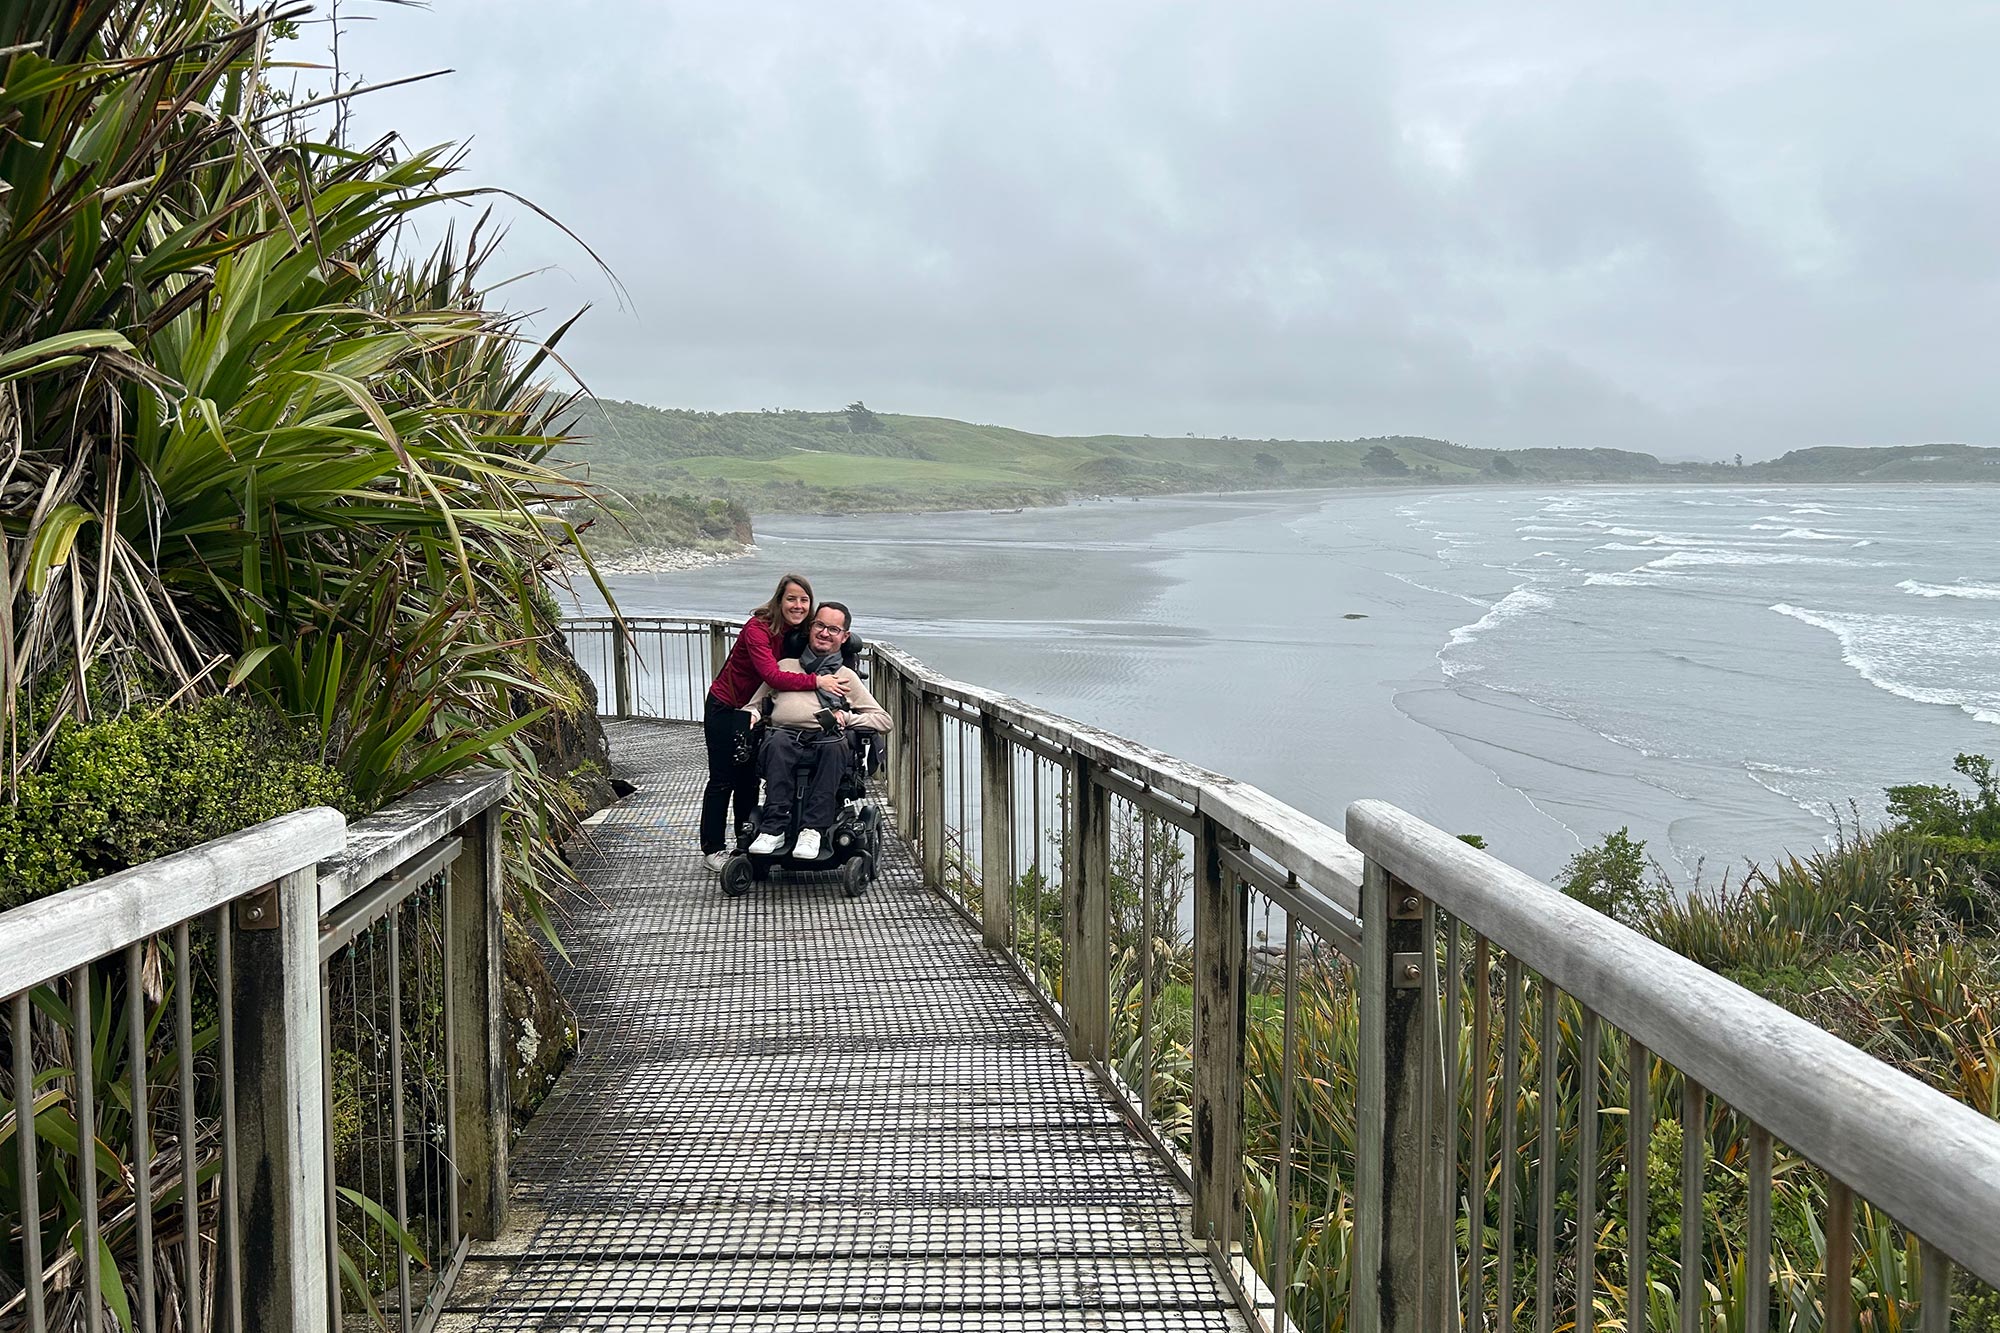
<point x="834" y="684"/>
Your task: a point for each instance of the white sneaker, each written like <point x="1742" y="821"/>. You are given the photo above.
<point x="807" y="847"/>
<point x="715" y="861"/>
<point x="764" y="844"/>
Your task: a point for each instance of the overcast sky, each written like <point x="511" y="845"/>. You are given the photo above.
<point x="1694" y="228"/>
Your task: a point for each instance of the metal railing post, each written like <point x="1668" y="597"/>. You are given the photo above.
<point x="621" y="667"/>
<point x="930" y="778"/>
<point x="279" y="1148"/>
<point x="1400" y="1210"/>
<point x="484" y="1104"/>
<point x="996" y="836"/>
<point x="1087" y="918"/>
<point x="1221" y="925"/>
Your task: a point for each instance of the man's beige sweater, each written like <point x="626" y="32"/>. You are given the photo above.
<point x="800" y="708"/>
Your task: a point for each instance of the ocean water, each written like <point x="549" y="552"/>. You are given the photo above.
<point x="1728" y="673"/>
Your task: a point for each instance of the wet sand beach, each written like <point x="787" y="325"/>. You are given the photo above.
<point x="1450" y="653"/>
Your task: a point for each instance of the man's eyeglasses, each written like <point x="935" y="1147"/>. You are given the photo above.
<point x="819" y="625"/>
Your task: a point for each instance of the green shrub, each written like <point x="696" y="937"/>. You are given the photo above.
<point x="120" y="791"/>
<point x="1611" y="878"/>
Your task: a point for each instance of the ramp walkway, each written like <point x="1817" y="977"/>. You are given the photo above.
<point x="797" y="1110"/>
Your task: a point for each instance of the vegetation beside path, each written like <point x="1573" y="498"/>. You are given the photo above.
<point x="1890" y="939"/>
<point x="278" y="504"/>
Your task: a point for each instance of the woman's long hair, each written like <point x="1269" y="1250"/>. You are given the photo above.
<point x="772" y="612"/>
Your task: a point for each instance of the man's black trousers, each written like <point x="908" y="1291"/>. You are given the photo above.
<point x="783" y="749"/>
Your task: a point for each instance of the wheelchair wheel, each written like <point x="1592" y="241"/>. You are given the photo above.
<point x="736" y="876"/>
<point x="853" y="877"/>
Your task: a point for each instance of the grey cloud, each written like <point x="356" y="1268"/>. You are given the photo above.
<point x="1672" y="227"/>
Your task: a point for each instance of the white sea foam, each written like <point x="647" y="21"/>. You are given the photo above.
<point x="1808" y="535"/>
<point x="1920" y="658"/>
<point x="1524" y="600"/>
<point x="1771" y="778"/>
<point x="1978" y="592"/>
<point x="1425" y="587"/>
<point x="1692" y="540"/>
<point x="1809" y="509"/>
<point x="1683" y="559"/>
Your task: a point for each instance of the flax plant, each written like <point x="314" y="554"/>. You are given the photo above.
<point x="247" y="445"/>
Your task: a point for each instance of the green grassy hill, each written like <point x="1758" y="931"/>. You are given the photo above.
<point x="1912" y="462"/>
<point x="863" y="460"/>
<point x="858" y="460"/>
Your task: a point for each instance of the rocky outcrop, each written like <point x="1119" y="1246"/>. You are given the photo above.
<point x="541" y="1030"/>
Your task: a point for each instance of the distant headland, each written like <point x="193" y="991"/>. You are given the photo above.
<point x="856" y="459"/>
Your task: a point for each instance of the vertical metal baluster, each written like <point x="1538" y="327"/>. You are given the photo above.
<point x="1041" y="875"/>
<point x="27" y="1138"/>
<point x="1586" y="1173"/>
<point x="142" y="1128"/>
<point x="1510" y="1141"/>
<point x="229" y="1224"/>
<point x="453" y="1225"/>
<point x="1839" y="1257"/>
<point x="1447" y="1114"/>
<point x="1013" y="835"/>
<point x="439" y="1045"/>
<point x="1694" y="1166"/>
<point x="1066" y="797"/>
<point x="333" y="1297"/>
<point x="421" y="1138"/>
<point x="1146" y="962"/>
<point x="190" y="1182"/>
<point x="428" y="1127"/>
<point x="85" y="1076"/>
<point x="1281" y="1259"/>
<point x="1476" y="1158"/>
<point x="972" y="838"/>
<point x="1638" y="1148"/>
<point x="1545" y="1202"/>
<point x="1934" y="1289"/>
<point x="396" y="1115"/>
<point x="1757" y="1258"/>
<point x="372" y="1157"/>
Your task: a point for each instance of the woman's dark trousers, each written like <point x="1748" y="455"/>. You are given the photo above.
<point x="724" y="727"/>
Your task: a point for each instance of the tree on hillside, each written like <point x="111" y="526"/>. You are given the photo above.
<point x="860" y="421"/>
<point x="1269" y="464"/>
<point x="1505" y="466"/>
<point x="1383" y="459"/>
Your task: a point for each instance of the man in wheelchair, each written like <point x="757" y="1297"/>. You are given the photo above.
<point x="814" y="725"/>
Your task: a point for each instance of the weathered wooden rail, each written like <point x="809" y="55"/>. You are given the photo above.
<point x="1415" y="1100"/>
<point x="205" y="1019"/>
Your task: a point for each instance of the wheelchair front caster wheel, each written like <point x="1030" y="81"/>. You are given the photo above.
<point x="854" y="877"/>
<point x="736" y="876"/>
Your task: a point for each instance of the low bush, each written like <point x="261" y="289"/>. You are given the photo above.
<point x="122" y="790"/>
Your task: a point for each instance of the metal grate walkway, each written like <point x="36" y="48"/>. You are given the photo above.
<point x="794" y="1110"/>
